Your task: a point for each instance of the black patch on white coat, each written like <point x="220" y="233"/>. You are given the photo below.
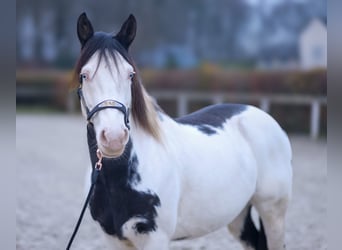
<point x="181" y="238"/>
<point x="114" y="200"/>
<point x="212" y="117"/>
<point x="206" y="129"/>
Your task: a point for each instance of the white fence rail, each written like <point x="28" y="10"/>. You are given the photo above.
<point x="183" y="98"/>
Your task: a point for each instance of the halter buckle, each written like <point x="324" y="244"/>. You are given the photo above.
<point x="98" y="164"/>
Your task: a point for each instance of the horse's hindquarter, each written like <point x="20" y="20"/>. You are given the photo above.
<point x="272" y="151"/>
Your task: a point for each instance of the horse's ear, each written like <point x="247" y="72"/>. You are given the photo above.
<point x="84" y="29"/>
<point x="127" y="32"/>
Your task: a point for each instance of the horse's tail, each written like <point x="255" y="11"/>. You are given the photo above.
<point x="250" y="235"/>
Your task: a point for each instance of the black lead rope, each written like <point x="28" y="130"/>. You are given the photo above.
<point x="94" y="176"/>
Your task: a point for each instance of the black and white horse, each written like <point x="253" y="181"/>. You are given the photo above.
<point x="166" y="179"/>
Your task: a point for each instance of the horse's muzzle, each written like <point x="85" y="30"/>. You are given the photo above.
<point x="112" y="143"/>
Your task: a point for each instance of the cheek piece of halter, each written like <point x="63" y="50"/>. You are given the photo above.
<point x="106" y="104"/>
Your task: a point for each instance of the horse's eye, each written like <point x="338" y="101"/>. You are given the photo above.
<point x="83" y="76"/>
<point x="131" y="75"/>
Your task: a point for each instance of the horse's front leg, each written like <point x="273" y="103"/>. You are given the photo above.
<point x="156" y="241"/>
<point x="148" y="240"/>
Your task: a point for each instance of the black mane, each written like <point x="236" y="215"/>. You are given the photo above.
<point x="106" y="45"/>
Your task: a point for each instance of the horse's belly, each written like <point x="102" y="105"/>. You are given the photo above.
<point x="215" y="192"/>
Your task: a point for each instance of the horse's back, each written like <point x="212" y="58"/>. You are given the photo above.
<point x="258" y="128"/>
<point x="214" y="115"/>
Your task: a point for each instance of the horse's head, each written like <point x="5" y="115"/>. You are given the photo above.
<point x="106" y="73"/>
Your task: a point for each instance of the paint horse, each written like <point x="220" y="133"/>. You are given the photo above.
<point x="167" y="179"/>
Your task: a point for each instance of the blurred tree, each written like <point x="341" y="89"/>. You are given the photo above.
<point x="212" y="30"/>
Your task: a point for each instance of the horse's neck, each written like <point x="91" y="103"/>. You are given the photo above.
<point x="165" y="130"/>
<point x="168" y="131"/>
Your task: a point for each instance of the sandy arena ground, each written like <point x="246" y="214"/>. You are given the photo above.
<point x="52" y="160"/>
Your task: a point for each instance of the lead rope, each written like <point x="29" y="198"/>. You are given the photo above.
<point x="94" y="175"/>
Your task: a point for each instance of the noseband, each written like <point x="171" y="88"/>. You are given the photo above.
<point x="106" y="104"/>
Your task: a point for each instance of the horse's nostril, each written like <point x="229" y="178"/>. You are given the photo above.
<point x="103" y="136"/>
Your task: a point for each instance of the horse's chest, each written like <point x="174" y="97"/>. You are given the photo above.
<point x="114" y="201"/>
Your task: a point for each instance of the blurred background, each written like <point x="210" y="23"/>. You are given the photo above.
<point x="269" y="53"/>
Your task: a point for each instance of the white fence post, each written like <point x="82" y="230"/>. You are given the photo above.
<point x="315" y="119"/>
<point x="217" y="99"/>
<point x="182" y="104"/>
<point x="265" y="104"/>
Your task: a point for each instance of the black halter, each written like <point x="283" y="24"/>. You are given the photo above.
<point x="111" y="104"/>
